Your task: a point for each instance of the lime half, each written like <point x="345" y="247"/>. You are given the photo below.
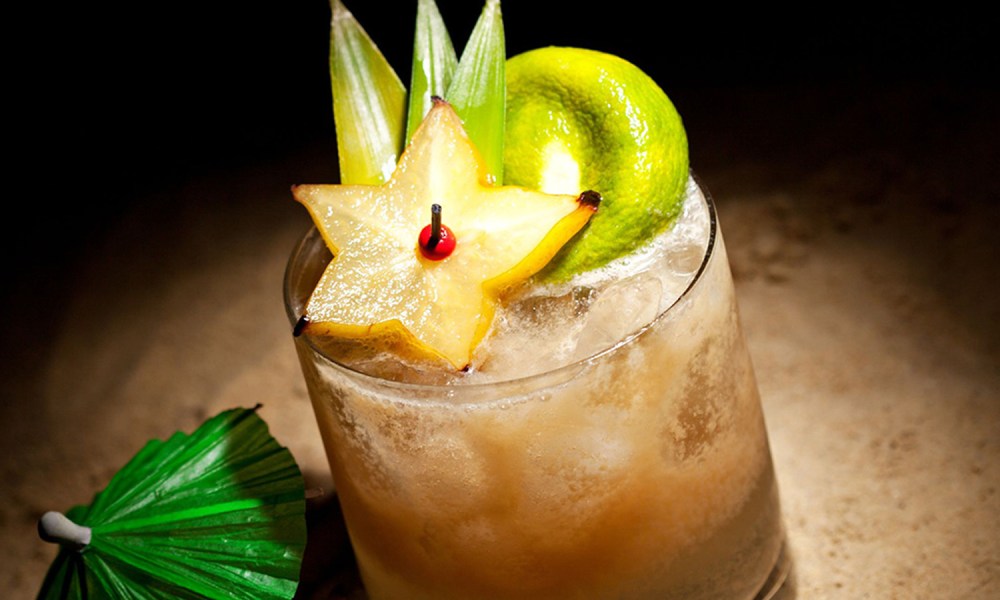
<point x="586" y="120"/>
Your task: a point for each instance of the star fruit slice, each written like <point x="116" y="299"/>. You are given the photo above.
<point x="380" y="289"/>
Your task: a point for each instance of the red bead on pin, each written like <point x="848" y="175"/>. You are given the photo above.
<point x="436" y="241"/>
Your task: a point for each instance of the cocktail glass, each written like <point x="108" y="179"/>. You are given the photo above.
<point x="642" y="471"/>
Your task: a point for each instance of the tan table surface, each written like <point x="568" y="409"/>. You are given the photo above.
<point x="862" y="236"/>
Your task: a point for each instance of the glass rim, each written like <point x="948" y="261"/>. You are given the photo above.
<point x="424" y="388"/>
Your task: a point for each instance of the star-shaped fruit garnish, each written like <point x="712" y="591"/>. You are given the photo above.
<point x="422" y="283"/>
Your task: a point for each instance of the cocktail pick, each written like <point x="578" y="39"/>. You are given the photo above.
<point x="219" y="513"/>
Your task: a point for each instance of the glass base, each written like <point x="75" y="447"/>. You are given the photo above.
<point x="780" y="584"/>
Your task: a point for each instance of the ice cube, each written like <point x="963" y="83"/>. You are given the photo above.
<point x="531" y="335"/>
<point x="619" y="310"/>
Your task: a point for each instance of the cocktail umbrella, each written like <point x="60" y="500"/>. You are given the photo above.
<point x="219" y="513"/>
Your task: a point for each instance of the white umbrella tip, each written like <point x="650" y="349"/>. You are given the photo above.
<point x="55" y="527"/>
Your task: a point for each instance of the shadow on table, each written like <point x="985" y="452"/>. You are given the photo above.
<point x="788" y="589"/>
<point x="329" y="569"/>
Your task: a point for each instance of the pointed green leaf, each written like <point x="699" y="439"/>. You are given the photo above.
<point x="369" y="102"/>
<point x="434" y="63"/>
<point x="478" y="90"/>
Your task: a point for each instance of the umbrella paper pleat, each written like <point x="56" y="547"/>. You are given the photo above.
<point x="174" y="520"/>
<point x="117" y="580"/>
<point x="202" y="461"/>
<point x="175" y="575"/>
<point x="61" y="581"/>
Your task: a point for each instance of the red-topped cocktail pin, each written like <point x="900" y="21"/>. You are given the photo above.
<point x="436" y="241"/>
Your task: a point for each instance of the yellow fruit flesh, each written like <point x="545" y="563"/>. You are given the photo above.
<point x="381" y="289"/>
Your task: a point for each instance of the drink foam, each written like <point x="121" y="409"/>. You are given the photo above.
<point x="543" y="327"/>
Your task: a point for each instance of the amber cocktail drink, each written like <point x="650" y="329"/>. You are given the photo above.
<point x="610" y="445"/>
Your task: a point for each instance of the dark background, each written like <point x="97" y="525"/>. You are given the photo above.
<point x="122" y="97"/>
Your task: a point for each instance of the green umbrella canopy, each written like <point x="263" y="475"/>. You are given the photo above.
<point x="219" y="513"/>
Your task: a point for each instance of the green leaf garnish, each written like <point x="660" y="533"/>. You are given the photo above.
<point x="478" y="90"/>
<point x="434" y="63"/>
<point x="369" y="102"/>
